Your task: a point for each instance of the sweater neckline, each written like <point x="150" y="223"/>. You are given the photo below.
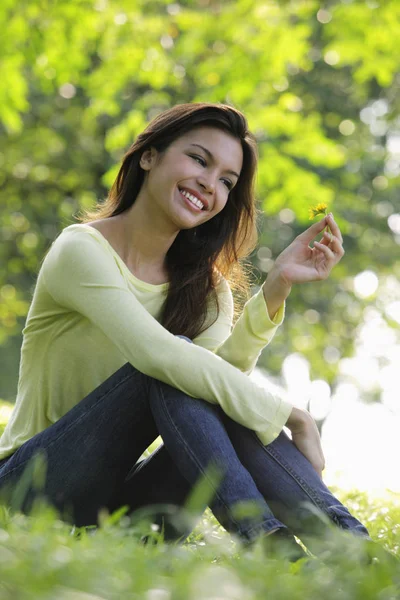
<point x="152" y="287"/>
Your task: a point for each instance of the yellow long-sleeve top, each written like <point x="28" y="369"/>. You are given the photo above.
<point x="90" y="315"/>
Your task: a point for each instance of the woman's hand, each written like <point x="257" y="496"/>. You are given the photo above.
<point x="299" y="263"/>
<point x="306" y="438"/>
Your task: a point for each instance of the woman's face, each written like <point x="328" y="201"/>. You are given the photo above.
<point x="201" y="166"/>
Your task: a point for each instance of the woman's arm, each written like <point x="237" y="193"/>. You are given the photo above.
<point x="299" y="263"/>
<point x="82" y="276"/>
<point x="241" y="344"/>
<point x="264" y="312"/>
<point x="275" y="290"/>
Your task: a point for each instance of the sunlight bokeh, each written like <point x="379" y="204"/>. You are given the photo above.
<point x="361" y="415"/>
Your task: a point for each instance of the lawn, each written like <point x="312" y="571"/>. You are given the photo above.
<point x="43" y="558"/>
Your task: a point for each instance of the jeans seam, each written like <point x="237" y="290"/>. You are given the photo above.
<point x="299" y="480"/>
<point x="66" y="430"/>
<point x="193" y="457"/>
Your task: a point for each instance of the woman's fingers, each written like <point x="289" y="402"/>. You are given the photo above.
<point x="327" y="251"/>
<point x="333" y="242"/>
<point x="309" y="234"/>
<point x="333" y="226"/>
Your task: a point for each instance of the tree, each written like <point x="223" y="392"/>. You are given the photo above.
<point x="318" y="85"/>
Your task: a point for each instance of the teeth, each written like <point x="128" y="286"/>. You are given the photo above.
<point x="192" y="198"/>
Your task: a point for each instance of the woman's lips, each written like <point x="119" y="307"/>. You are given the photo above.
<point x="190" y="204"/>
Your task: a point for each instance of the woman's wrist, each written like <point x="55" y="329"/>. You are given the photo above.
<point x="275" y="290"/>
<point x="297" y="420"/>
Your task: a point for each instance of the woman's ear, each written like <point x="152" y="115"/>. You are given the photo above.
<point x="147" y="159"/>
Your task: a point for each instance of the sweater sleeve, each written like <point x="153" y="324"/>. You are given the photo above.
<point x="241" y="345"/>
<point x="82" y="276"/>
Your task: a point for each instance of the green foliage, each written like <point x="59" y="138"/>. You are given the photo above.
<point x="81" y="80"/>
<point x="42" y="558"/>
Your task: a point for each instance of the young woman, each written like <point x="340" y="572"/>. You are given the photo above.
<point x="129" y="336"/>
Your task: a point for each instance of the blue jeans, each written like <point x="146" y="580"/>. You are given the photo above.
<point x="91" y="456"/>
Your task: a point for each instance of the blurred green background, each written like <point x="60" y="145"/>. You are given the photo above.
<point x="319" y="84"/>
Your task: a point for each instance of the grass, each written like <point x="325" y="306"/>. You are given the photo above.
<point x="43" y="558"/>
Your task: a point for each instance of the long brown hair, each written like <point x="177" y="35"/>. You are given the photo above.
<point x="197" y="255"/>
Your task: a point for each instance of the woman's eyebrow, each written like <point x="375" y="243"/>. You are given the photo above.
<point x="211" y="156"/>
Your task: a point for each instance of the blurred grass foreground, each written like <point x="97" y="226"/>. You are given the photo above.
<point x="41" y="557"/>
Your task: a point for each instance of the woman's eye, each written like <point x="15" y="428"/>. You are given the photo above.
<point x="203" y="162"/>
<point x="228" y="183"/>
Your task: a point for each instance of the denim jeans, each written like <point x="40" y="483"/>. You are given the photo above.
<point x="91" y="457"/>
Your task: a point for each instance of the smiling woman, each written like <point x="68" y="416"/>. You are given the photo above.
<point x="104" y="371"/>
<point x="193" y="153"/>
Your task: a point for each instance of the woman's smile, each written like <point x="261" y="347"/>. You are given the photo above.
<point x="189" y="203"/>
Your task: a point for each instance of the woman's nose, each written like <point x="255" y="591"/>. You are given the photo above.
<point x="208" y="185"/>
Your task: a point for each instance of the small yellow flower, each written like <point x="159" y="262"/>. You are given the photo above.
<point x="319" y="209"/>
